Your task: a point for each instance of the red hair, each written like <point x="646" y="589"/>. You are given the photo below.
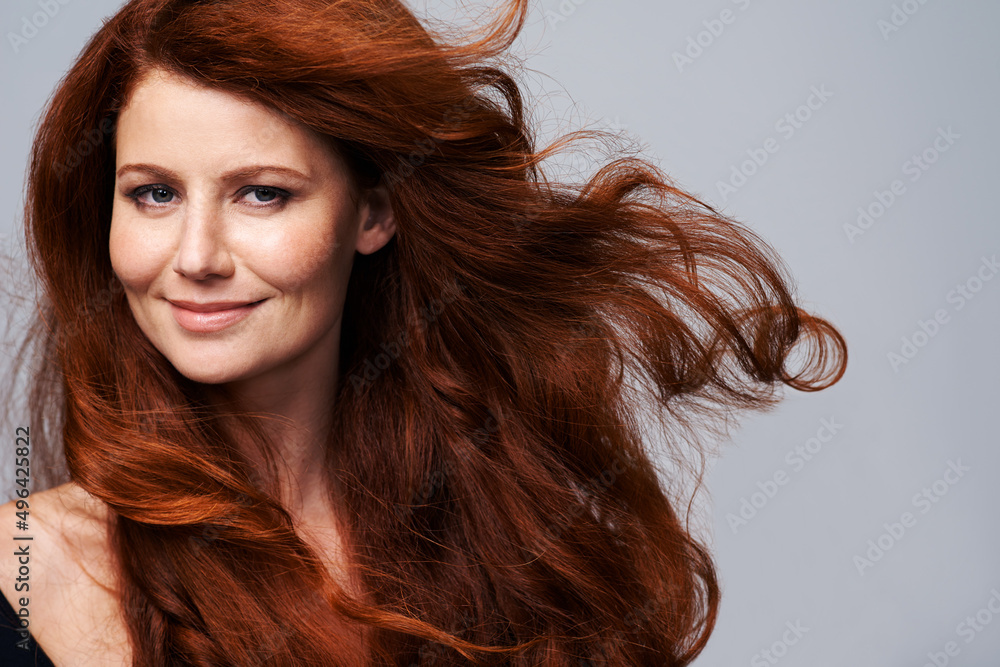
<point x="488" y="458"/>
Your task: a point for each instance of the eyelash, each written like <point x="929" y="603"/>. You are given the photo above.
<point x="281" y="198"/>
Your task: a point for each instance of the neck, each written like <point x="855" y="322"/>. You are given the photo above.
<point x="295" y="402"/>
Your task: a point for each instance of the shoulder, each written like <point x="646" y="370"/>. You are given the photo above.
<point x="60" y="563"/>
<point x="58" y="510"/>
<point x="63" y="530"/>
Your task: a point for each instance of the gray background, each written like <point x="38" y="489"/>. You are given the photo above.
<point x="611" y="64"/>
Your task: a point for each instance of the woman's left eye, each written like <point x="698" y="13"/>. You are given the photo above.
<point x="263" y="195"/>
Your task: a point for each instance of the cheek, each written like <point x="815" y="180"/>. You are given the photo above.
<point x="305" y="260"/>
<point x="135" y="257"/>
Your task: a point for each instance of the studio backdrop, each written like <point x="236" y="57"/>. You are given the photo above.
<point x="855" y="526"/>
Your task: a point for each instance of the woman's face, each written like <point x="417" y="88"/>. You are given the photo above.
<point x="233" y="232"/>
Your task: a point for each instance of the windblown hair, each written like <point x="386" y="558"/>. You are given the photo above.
<point x="489" y="456"/>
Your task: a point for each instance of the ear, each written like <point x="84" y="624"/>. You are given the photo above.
<point x="377" y="223"/>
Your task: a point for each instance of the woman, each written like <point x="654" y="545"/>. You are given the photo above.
<point x="343" y="375"/>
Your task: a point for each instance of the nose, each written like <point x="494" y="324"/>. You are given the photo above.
<point x="202" y="251"/>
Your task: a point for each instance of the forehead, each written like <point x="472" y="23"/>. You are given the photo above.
<point x="174" y="119"/>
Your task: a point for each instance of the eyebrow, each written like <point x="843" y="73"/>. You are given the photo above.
<point x="234" y="175"/>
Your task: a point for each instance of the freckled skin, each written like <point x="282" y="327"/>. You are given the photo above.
<point x="203" y="238"/>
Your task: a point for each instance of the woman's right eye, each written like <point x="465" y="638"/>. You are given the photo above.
<point x="158" y="194"/>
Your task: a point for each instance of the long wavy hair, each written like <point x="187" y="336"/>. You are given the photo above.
<point x="505" y="360"/>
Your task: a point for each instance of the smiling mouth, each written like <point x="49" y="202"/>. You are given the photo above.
<point x="210" y="317"/>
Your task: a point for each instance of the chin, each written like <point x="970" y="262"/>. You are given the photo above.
<point x="208" y="373"/>
<point x="202" y="376"/>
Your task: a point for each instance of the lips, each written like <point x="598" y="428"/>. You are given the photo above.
<point x="210" y="317"/>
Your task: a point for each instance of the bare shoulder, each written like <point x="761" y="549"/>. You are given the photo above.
<point x="63" y="527"/>
<point x="60" y="568"/>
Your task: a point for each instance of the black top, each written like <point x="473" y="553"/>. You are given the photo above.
<point x="12" y="655"/>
